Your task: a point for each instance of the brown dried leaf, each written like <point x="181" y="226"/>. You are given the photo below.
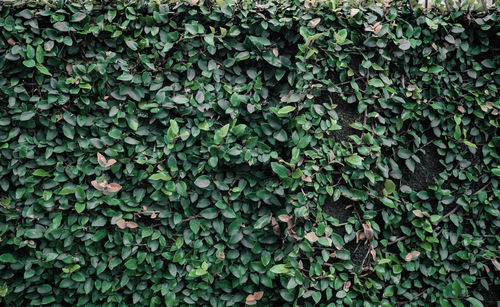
<point x="258" y="295"/>
<point x="314" y="22"/>
<point x="11" y="41"/>
<point x="311" y="237"/>
<point x="132" y="225"/>
<point x="113" y="187"/>
<point x="154" y="215"/>
<point x="284" y="218"/>
<point x="121" y="224"/>
<point x="420" y="213"/>
<point x="412" y="255"/>
<point x="276" y="226"/>
<point x="347" y="285"/>
<point x="368" y="232"/>
<point x="306" y="178"/>
<point x="221" y="256"/>
<point x="496" y="263"/>
<point x="360" y="235"/>
<point x="301" y="265"/>
<point x="69" y="68"/>
<point x="101" y="160"/>
<point x="101" y="186"/>
<point x="374" y="254"/>
<point x="253" y="298"/>
<point x="486" y="268"/>
<point x="250" y="300"/>
<point x="110" y="162"/>
<point x="332" y="156"/>
<point x="292" y="234"/>
<point x="276" y="52"/>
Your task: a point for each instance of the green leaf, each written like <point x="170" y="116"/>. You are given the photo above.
<point x="259" y="42"/>
<point x="79" y="207"/>
<point x="404" y="153"/>
<point x="354" y="160"/>
<point x="160" y="176"/>
<point x="376" y="82"/>
<point x="279" y="169"/>
<point x="279" y="269"/>
<point x="209" y="39"/>
<point x="43" y="69"/>
<point x="41" y="173"/>
<point x="29" y="63"/>
<point x="133" y="123"/>
<point x="62" y="26"/>
<point x="35" y="233"/>
<point x="40" y="53"/>
<point x="389" y="187"/>
<point x="209" y="213"/>
<point x="131" y="44"/>
<point x="337" y="240"/>
<point x="285" y="110"/>
<point x="474" y="302"/>
<point x="25" y="116"/>
<point x="404" y="44"/>
<point x="202" y="182"/>
<point x="68" y="131"/>
<point x="341" y="36"/>
<point x="80" y="194"/>
<point x="262" y="222"/>
<point x="220" y="134"/>
<point x="173" y="130"/>
<point x="78" y="16"/>
<point x="67" y="191"/>
<point x="131" y="264"/>
<point x="7" y="258"/>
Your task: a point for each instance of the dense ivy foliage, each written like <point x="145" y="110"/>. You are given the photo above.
<point x="248" y="153"/>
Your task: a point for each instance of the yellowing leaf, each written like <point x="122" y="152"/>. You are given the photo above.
<point x="311" y="237"/>
<point x="132" y="225"/>
<point x="122" y="224"/>
<point x="314" y="22"/>
<point x="412" y="255"/>
<point x="103" y="162"/>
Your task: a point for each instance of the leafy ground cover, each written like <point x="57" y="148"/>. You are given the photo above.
<point x="259" y="154"/>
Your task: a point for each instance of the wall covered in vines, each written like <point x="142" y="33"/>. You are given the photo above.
<point x="242" y="153"/>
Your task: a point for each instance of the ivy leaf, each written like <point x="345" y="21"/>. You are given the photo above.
<point x="404" y="44"/>
<point x="376" y="82"/>
<point x="41" y="173"/>
<point x="202" y="182"/>
<point x="43" y="70"/>
<point x="389" y="187"/>
<point x="279" y="269"/>
<point x="62" y="26"/>
<point x="354" y="160"/>
<point x="279" y="169"/>
<point x="7" y="258"/>
<point x="160" y="176"/>
<point x="285" y="110"/>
